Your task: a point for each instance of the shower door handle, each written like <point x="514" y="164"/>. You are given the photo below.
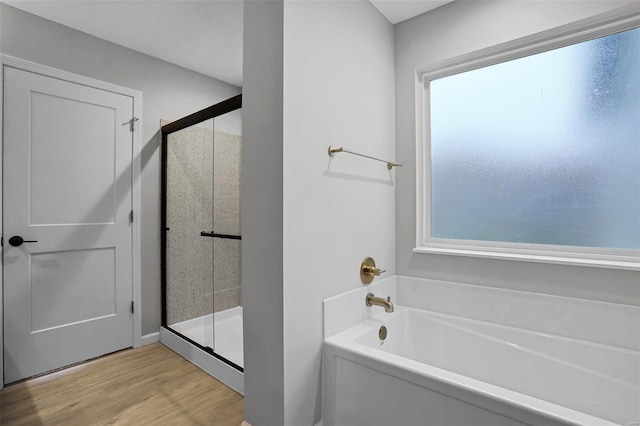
<point x="214" y="235"/>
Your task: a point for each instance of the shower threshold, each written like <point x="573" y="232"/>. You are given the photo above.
<point x="228" y="346"/>
<point x="228" y="333"/>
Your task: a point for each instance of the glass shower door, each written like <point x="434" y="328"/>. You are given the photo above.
<point x="227" y="288"/>
<point x="189" y="283"/>
<point x="202" y="286"/>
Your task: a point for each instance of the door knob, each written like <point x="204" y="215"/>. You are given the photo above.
<point x="17" y="240"/>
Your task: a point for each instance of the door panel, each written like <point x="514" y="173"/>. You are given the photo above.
<point x="88" y="296"/>
<point x="67" y="185"/>
<point x="63" y="196"/>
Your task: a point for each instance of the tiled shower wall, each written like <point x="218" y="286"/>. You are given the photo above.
<point x="203" y="183"/>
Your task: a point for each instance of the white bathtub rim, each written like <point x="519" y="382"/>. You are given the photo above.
<point x="452" y="384"/>
<point x="463" y="388"/>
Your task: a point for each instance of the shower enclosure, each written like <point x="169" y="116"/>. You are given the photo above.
<point x="201" y="239"/>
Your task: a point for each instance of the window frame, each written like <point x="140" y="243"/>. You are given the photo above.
<point x="616" y="21"/>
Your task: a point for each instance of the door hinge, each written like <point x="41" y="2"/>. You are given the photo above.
<point x="132" y="123"/>
<point x="131" y="216"/>
<point x="132" y="310"/>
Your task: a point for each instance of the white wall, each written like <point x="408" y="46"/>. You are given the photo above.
<point x="308" y="221"/>
<point x="261" y="201"/>
<point x="168" y="92"/>
<point x="452" y="30"/>
<point x="338" y="90"/>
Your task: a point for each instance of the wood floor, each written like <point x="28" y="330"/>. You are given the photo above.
<point x="151" y="385"/>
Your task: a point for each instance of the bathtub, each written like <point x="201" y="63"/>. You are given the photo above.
<point x="440" y="369"/>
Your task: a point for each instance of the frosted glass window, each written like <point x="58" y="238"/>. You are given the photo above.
<point x="544" y="149"/>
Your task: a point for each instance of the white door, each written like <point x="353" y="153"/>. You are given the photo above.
<point x="67" y="186"/>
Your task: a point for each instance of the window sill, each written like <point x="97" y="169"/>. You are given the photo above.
<point x="611" y="262"/>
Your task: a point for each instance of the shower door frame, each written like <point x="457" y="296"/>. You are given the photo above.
<point x="213" y="111"/>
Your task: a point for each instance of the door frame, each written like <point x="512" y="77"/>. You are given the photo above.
<point x="136" y="201"/>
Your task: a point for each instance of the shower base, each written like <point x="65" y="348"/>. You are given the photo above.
<point x="228" y="333"/>
<point x="228" y="344"/>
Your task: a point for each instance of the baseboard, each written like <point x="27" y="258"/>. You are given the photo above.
<point x="246" y="423"/>
<point x="150" y="338"/>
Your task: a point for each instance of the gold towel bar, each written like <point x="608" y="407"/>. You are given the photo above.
<point x="390" y="164"/>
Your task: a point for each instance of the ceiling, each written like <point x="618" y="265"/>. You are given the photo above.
<point x="182" y="32"/>
<point x="401" y="10"/>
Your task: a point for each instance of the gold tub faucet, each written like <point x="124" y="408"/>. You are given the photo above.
<point x="379" y="301"/>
